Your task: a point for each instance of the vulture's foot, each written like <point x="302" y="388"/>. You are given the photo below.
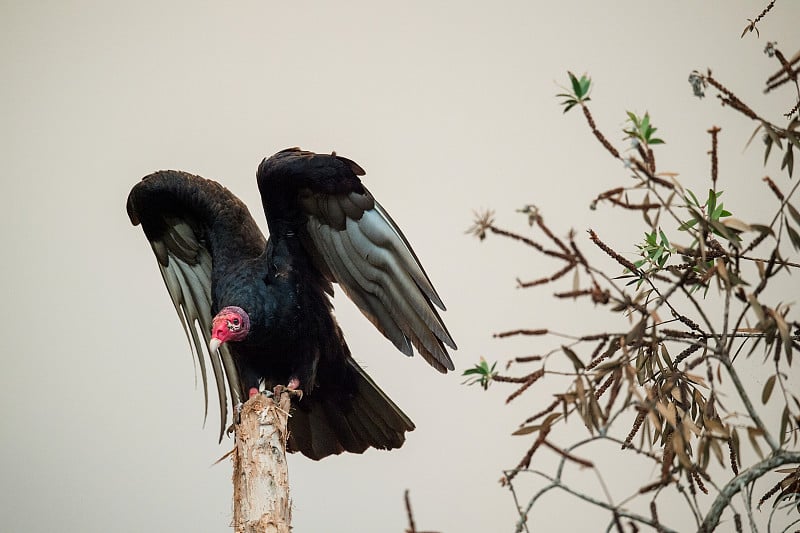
<point x="294" y="387"/>
<point x="237" y="418"/>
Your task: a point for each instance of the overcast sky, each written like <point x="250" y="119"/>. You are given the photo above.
<point x="449" y="106"/>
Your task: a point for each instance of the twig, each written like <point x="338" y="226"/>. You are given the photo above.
<point x="520" y="332"/>
<point x="751" y="26"/>
<point x="522" y="524"/>
<point x="611" y="253"/>
<point x="556" y="483"/>
<point x="597" y="133"/>
<point x="748" y="405"/>
<point x="583" y="462"/>
<point x="412" y="527"/>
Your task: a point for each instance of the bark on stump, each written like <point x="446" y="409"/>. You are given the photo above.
<point x="261" y="502"/>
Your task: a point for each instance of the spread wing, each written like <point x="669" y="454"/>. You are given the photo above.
<point x="357" y="244"/>
<point x="191" y="224"/>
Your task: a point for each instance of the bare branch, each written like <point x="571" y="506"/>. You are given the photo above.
<point x="745" y="478"/>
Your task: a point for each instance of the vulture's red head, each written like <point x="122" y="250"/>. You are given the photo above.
<point x="230" y="324"/>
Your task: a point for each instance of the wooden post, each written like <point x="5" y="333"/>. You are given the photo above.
<point x="261" y="502"/>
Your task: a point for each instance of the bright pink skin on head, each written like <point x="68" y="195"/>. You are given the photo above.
<point x="231" y="324"/>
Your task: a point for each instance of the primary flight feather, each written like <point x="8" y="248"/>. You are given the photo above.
<point x="259" y="310"/>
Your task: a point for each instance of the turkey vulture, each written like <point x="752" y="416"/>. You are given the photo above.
<point x="260" y="310"/>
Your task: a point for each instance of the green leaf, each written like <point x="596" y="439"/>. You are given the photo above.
<point x="585" y="84"/>
<point x="482" y="372"/>
<point x="580" y="91"/>
<point x="711" y="203"/>
<point x="580" y="87"/>
<point x="576" y="85"/>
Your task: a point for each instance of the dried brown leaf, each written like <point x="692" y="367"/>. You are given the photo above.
<point x="679" y="447"/>
<point x="576" y="362"/>
<point x="752" y="434"/>
<point x="767" y="391"/>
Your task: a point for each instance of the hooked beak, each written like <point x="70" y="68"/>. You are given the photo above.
<point x="214" y="344"/>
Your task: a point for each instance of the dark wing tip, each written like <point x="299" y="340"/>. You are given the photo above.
<point x="130" y="206"/>
<point x="355" y="167"/>
<point x="139" y="193"/>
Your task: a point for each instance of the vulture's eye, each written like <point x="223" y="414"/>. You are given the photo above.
<point x="235" y="321"/>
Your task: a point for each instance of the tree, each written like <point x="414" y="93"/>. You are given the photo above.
<point x="675" y="385"/>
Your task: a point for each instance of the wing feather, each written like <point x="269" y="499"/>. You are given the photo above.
<point x="385" y="269"/>
<point x="180" y="214"/>
<point x="372" y="261"/>
<point x="176" y="295"/>
<point x="369" y="300"/>
<point x="353" y="241"/>
<point x="397" y="241"/>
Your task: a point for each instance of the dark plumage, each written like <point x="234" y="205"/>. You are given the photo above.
<point x="266" y="305"/>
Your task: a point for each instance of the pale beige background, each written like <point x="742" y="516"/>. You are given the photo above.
<point x="449" y="106"/>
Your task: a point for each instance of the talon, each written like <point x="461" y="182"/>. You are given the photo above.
<point x="237" y="417"/>
<point x="294" y="387"/>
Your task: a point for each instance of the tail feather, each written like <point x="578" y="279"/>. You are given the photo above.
<point x="331" y="420"/>
<point x="379" y="425"/>
<point x="346" y="433"/>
